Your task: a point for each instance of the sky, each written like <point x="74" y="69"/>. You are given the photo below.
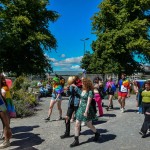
<point x="73" y="26"/>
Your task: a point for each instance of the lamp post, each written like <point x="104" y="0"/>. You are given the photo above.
<point x="84" y="43"/>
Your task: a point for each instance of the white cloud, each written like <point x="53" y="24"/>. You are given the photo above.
<point x="63" y="55"/>
<point x="72" y="63"/>
<point x="73" y="59"/>
<point x="75" y="67"/>
<point x="53" y="59"/>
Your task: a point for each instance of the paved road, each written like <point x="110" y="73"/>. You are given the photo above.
<point x="119" y="130"/>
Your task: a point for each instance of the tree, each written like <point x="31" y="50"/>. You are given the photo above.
<point x="85" y="62"/>
<point x="25" y="35"/>
<point x="121" y="27"/>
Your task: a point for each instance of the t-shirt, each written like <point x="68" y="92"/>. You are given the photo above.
<point x="146" y="96"/>
<point x="124" y="85"/>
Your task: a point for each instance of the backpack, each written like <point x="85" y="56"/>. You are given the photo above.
<point x="102" y="92"/>
<point x="93" y="104"/>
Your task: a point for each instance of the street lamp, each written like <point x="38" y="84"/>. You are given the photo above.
<point x="84" y="43"/>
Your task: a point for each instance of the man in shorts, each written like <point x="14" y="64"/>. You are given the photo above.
<point x="124" y="87"/>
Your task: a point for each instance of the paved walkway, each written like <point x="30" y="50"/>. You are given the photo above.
<point x="119" y="130"/>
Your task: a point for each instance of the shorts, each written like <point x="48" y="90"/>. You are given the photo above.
<point x="70" y="111"/>
<point x="122" y="94"/>
<point x="111" y="93"/>
<point x="54" y="97"/>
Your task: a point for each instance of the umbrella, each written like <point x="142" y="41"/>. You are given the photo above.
<point x="9" y="82"/>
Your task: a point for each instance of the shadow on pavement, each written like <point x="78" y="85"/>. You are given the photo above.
<point x="131" y="110"/>
<point x="99" y="122"/>
<point x="24" y="139"/>
<point x="102" y="139"/>
<point x="89" y="132"/>
<point x="116" y="108"/>
<point x="109" y="115"/>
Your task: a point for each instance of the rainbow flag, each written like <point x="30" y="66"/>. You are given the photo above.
<point x="2" y="105"/>
<point x="125" y="83"/>
<point x="58" y="89"/>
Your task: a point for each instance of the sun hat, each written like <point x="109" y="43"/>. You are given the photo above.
<point x="56" y="79"/>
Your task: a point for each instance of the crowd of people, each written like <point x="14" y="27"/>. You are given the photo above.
<point x="85" y="96"/>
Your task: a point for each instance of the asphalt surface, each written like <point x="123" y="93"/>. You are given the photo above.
<point x="119" y="131"/>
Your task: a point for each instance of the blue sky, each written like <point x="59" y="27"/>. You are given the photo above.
<point x="73" y="25"/>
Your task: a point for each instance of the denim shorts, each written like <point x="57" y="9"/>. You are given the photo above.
<point x="54" y="97"/>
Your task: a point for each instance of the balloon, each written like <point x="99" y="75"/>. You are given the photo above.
<point x="9" y="82"/>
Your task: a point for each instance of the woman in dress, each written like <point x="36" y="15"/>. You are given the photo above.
<point x="85" y="111"/>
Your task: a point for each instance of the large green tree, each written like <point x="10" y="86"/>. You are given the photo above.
<point x="25" y="35"/>
<point x="85" y="62"/>
<point x="121" y="27"/>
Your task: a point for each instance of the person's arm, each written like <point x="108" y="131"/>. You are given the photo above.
<point x="57" y="96"/>
<point x="88" y="105"/>
<point x="3" y="92"/>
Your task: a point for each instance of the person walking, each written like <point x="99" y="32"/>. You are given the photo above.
<point x="85" y="111"/>
<point x="5" y="121"/>
<point x="136" y="90"/>
<point x="74" y="92"/>
<point x="97" y="96"/>
<point x="146" y="110"/>
<point x="124" y="86"/>
<point x="7" y="98"/>
<point x="110" y="88"/>
<point x="56" y="98"/>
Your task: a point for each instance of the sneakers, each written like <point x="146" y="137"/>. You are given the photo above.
<point x="60" y="118"/>
<point x="83" y="124"/>
<point x="4" y="144"/>
<point x="122" y="110"/>
<point x="47" y="119"/>
<point x="143" y="134"/>
<point x="107" y="108"/>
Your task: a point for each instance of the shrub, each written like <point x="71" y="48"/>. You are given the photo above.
<point x="23" y="101"/>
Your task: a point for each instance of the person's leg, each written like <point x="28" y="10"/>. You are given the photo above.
<point x="145" y="126"/>
<point x="99" y="103"/>
<point x="111" y="101"/>
<point x="97" y="135"/>
<point x="52" y="103"/>
<point x="119" y="99"/>
<point x="59" y="109"/>
<point x="123" y="102"/>
<point x="77" y="132"/>
<point x="7" y="130"/>
<point x="67" y="123"/>
<point x="72" y="117"/>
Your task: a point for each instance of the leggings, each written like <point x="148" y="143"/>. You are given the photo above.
<point x="98" y="100"/>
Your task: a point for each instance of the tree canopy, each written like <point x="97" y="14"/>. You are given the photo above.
<point x="25" y="35"/>
<point x="122" y="30"/>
